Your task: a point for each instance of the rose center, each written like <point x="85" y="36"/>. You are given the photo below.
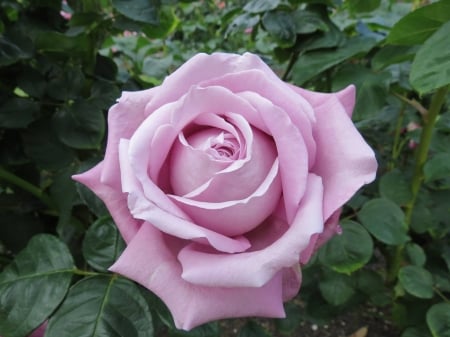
<point x="223" y="147"/>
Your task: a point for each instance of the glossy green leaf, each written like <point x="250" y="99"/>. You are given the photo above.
<point x="259" y="6"/>
<point x="337" y="289"/>
<point x="415" y="254"/>
<point x="417" y="281"/>
<point x="363" y="5"/>
<point x="438" y="320"/>
<point x="384" y="220"/>
<point x="281" y="26"/>
<point x="418" y="25"/>
<point x="102" y="306"/>
<point x="371" y="284"/>
<point x="56" y="42"/>
<point x="253" y="329"/>
<point x="11" y="52"/>
<point x="66" y="83"/>
<point x="349" y="251"/>
<point x="307" y="22"/>
<point x="438" y="167"/>
<point x="395" y="187"/>
<point x="33" y="285"/>
<point x="241" y="22"/>
<point x="80" y="125"/>
<point x="139" y="10"/>
<point x="18" y="112"/>
<point x="168" y="22"/>
<point x="315" y="62"/>
<point x="431" y="67"/>
<point x="102" y="244"/>
<point x="42" y="145"/>
<point x="389" y="55"/>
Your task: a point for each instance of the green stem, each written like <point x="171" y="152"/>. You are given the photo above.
<point x="292" y="60"/>
<point x="437" y="102"/>
<point x="87" y="273"/>
<point x="396" y="147"/>
<point x="25" y="185"/>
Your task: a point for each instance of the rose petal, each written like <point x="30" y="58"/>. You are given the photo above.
<point x="203" y="266"/>
<point x="123" y="119"/>
<point x="280" y="94"/>
<point x="142" y="208"/>
<point x="225" y="184"/>
<point x="292" y="151"/>
<point x="150" y="259"/>
<point x="202" y="67"/>
<point x="346" y="96"/>
<point x="344" y="160"/>
<point x="236" y="217"/>
<point x="115" y="201"/>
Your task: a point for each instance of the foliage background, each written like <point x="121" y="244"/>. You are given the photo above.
<point x="63" y="64"/>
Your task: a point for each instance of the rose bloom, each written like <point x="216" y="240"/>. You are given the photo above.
<point x="223" y="181"/>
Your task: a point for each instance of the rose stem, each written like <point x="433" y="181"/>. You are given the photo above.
<point x="25" y="185"/>
<point x="437" y="102"/>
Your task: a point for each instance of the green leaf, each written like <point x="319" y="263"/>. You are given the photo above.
<point x="438" y="167"/>
<point x="337" y="289"/>
<point x="241" y="22"/>
<point x="33" y="285"/>
<point x="66" y="83"/>
<point x="80" y="125"/>
<point x="371" y="89"/>
<point x="253" y="329"/>
<point x="168" y="22"/>
<point x="389" y="55"/>
<point x="359" y="6"/>
<point x="395" y="187"/>
<point x="417" y="281"/>
<point x="307" y="22"/>
<point x="416" y="255"/>
<point x="42" y="145"/>
<point x="18" y="112"/>
<point x="443" y="122"/>
<point x="431" y="66"/>
<point x="102" y="306"/>
<point x="384" y="220"/>
<point x="349" y="251"/>
<point x="438" y="320"/>
<point x="139" y="10"/>
<point x="281" y="26"/>
<point x="259" y="6"/>
<point x="371" y="283"/>
<point x="313" y="63"/>
<point x="418" y="25"/>
<point x="422" y="219"/>
<point x="55" y="42"/>
<point x="102" y="244"/>
<point x="11" y="53"/>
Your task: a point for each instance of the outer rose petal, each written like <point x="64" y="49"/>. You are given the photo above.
<point x="114" y="199"/>
<point x="150" y="259"/>
<point x="123" y="120"/>
<point x="344" y="160"/>
<point x="204" y="266"/>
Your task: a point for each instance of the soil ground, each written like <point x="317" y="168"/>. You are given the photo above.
<point x="369" y="322"/>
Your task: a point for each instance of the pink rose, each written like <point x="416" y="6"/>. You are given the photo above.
<point x="223" y="180"/>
